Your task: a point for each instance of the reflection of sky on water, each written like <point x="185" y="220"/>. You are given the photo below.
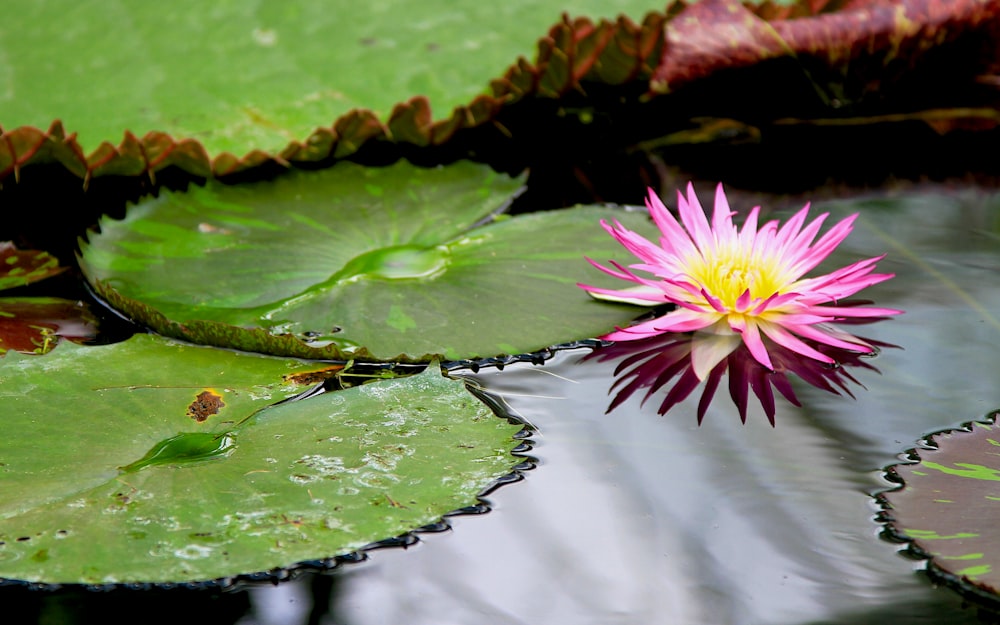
<point x="636" y="518"/>
<point x="946" y="255"/>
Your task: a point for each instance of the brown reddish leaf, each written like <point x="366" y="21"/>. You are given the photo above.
<point x="411" y="121"/>
<point x="317" y="147"/>
<point x="208" y="403"/>
<point x="632" y="52"/>
<point x="873" y="43"/>
<point x="132" y="157"/>
<point x="226" y="163"/>
<point x="354" y="130"/>
<point x="17" y="148"/>
<point x="21" y="267"/>
<point x="23" y="145"/>
<point x="32" y="325"/>
<point x="577" y="51"/>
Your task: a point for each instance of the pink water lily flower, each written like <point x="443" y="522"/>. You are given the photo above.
<point x="740" y="284"/>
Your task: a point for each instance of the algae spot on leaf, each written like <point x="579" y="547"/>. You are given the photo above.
<point x="399" y="320"/>
<point x="208" y="403"/>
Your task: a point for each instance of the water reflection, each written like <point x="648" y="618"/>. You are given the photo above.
<point x="634" y="519"/>
<point x="666" y="362"/>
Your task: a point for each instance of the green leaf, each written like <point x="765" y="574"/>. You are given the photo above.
<point x="948" y="505"/>
<point x="154" y="461"/>
<point x="354" y="262"/>
<point x="238" y="76"/>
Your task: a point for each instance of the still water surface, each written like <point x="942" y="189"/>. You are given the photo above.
<point x="630" y="517"/>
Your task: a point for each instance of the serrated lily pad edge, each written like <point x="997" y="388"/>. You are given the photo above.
<point x="112" y="300"/>
<point x="520" y="452"/>
<point x="574" y="50"/>
<point x="966" y="589"/>
<point x="225" y="336"/>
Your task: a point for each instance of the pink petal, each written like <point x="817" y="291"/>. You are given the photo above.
<point x="751" y="337"/>
<point x="787" y="233"/>
<point x="845" y="312"/>
<point x="675" y="239"/>
<point x="749" y="231"/>
<point x="722" y="218"/>
<point x="832" y="288"/>
<point x="782" y="337"/>
<point x="636" y="243"/>
<point x="743" y="301"/>
<point x="830" y="336"/>
<point x="675" y="291"/>
<point x="694" y="220"/>
<point x="676" y="321"/>
<point x="683" y="320"/>
<point x="652" y="296"/>
<point x="623" y="274"/>
<point x="775" y="301"/>
<point x="827" y="243"/>
<point x="715" y="302"/>
<point x="800" y="245"/>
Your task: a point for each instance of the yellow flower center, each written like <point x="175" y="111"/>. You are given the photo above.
<point x="727" y="274"/>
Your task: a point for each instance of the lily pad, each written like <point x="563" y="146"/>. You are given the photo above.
<point x="243" y="84"/>
<point x="21" y="267"/>
<point x="230" y="88"/>
<point x="948" y="505"/>
<point x="353" y="262"/>
<point x="32" y="325"/>
<point x="155" y="461"/>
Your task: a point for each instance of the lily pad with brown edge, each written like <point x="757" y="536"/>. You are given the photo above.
<point x="33" y="325"/>
<point x="229" y="86"/>
<point x="398" y="263"/>
<point x="947" y="506"/>
<point x="156" y="461"/>
<point x="21" y="267"/>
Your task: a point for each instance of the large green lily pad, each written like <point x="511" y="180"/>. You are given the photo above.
<point x="155" y="461"/>
<point x="948" y="505"/>
<point x="251" y="79"/>
<point x="354" y="262"/>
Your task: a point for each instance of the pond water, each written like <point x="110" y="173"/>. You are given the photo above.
<point x="630" y="517"/>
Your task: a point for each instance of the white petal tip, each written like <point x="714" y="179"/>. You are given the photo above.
<point x="636" y="296"/>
